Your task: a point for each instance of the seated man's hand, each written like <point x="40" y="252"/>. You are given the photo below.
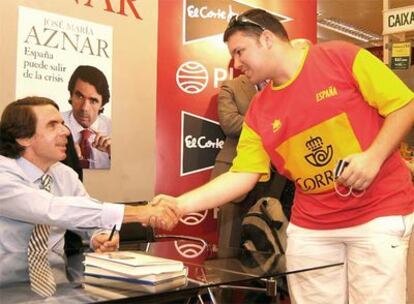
<point x="162" y="212"/>
<point x="102" y="143"/>
<point x="101" y="243"/>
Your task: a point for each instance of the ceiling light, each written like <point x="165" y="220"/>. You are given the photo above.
<point x="349" y="30"/>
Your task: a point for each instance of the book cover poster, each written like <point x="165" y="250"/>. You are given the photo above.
<point x="50" y="48"/>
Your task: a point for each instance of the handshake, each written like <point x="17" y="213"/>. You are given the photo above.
<point x="162" y="212"/>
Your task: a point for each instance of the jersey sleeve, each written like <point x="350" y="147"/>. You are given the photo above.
<point x="381" y="88"/>
<point x="251" y="155"/>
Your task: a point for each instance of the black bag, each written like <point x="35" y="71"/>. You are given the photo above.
<point x="264" y="229"/>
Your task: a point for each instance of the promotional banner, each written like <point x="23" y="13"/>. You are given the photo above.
<point x="51" y="46"/>
<point x="192" y="62"/>
<point x="125" y="32"/>
<point x="50" y="49"/>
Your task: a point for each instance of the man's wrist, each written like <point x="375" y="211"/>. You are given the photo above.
<point x="376" y="156"/>
<point x="183" y="205"/>
<point x="133" y="214"/>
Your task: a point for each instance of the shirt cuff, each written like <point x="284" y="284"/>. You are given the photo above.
<point x="112" y="214"/>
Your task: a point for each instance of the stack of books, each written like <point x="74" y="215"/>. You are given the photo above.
<point x="123" y="271"/>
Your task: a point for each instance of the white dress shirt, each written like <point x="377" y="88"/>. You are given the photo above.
<point x="102" y="124"/>
<point x="23" y="204"/>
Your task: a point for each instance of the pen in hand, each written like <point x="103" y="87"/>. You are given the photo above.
<point x="112" y="233"/>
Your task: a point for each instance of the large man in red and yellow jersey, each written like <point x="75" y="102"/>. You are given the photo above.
<point x="329" y="102"/>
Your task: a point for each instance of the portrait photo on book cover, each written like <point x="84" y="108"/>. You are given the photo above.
<point x="72" y="67"/>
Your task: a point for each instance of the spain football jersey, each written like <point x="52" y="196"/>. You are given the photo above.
<point x="334" y="106"/>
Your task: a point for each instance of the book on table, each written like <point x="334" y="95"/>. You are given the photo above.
<point x="105" y="292"/>
<point x="122" y="285"/>
<point x="101" y="290"/>
<point x="131" y="263"/>
<point x="150" y="279"/>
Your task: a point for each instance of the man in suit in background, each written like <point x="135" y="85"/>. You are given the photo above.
<point x="91" y="130"/>
<point x="233" y="101"/>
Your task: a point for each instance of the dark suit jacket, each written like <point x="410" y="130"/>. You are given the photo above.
<point x="233" y="101"/>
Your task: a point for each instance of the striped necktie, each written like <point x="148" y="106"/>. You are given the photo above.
<point x="41" y="278"/>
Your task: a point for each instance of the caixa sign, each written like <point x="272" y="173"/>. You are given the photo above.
<point x="398" y="20"/>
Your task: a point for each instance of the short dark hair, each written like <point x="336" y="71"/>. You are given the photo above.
<point x="93" y="76"/>
<point x="19" y="121"/>
<point x="260" y="19"/>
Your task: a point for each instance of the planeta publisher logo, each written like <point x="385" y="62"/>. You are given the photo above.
<point x="191" y="77"/>
<point x="190" y="250"/>
<point x="201" y="140"/>
<point x="203" y="19"/>
<point x="194" y="218"/>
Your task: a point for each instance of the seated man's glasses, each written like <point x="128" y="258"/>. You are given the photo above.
<point x="240" y="20"/>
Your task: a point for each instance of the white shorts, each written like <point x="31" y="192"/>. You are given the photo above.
<point x="374" y="256"/>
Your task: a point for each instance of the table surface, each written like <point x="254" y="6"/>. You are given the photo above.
<point x="208" y="266"/>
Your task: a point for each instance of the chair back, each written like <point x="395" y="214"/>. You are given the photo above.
<point x="136" y="232"/>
